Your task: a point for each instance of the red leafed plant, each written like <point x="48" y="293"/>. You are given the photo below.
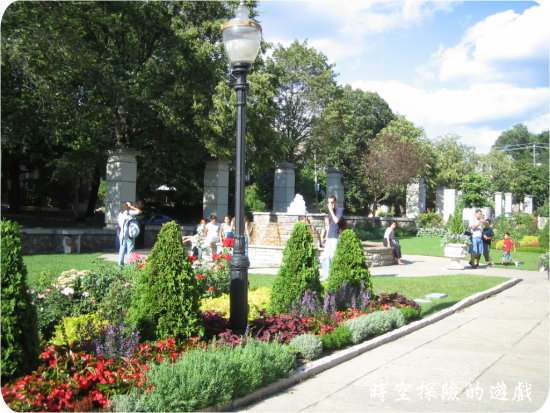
<point x="281" y="327"/>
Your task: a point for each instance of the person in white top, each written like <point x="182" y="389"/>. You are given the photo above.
<point x="126" y="244"/>
<point x="211" y="234"/>
<point x="476" y="249"/>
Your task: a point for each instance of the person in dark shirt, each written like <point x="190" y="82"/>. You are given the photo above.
<point x="487" y="236"/>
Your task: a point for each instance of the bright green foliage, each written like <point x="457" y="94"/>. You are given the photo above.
<point x="299" y="271"/>
<point x="349" y="265"/>
<point x="475" y="190"/>
<point x="308" y="345"/>
<point x="20" y="344"/>
<point x="543" y="238"/>
<point x="167" y="300"/>
<point x="78" y="329"/>
<point x="340" y="337"/>
<point x="212" y="377"/>
<point x="456" y="225"/>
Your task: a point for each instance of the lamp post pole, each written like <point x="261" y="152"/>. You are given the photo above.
<point x="241" y="38"/>
<point x="238" y="290"/>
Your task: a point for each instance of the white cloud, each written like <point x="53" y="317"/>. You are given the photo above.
<point x="497" y="40"/>
<point x="460" y="111"/>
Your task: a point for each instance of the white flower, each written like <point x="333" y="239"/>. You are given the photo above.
<point x="85" y="294"/>
<point x="41" y="296"/>
<point x="67" y="291"/>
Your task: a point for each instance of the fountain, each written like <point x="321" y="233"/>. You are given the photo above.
<point x="297" y="206"/>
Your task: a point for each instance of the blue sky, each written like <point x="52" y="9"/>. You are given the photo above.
<point x="470" y="68"/>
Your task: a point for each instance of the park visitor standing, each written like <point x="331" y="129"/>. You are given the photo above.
<point x="476" y="249"/>
<point x="487" y="235"/>
<point x="127" y="243"/>
<point x="335" y="216"/>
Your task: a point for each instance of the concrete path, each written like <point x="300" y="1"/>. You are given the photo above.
<point x="488" y="357"/>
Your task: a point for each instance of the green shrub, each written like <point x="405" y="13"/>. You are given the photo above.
<point x="455" y="223"/>
<point x="543" y="210"/>
<point x="167" y="299"/>
<point x="308" y="345"/>
<point x="78" y="329"/>
<point x="429" y="220"/>
<point x="543" y="238"/>
<point x="518" y="225"/>
<point x="368" y="230"/>
<point x="370" y="325"/>
<point x="410" y="313"/>
<point x="340" y="337"/>
<point x="20" y="344"/>
<point x="299" y="271"/>
<point x="210" y="377"/>
<point x="349" y="265"/>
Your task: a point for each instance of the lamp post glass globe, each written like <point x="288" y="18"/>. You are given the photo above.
<point x="241" y="37"/>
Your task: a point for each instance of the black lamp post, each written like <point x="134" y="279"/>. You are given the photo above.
<point x="241" y="38"/>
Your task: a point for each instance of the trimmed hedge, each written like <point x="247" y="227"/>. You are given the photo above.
<point x="374" y="324"/>
<point x="308" y="345"/>
<point x="20" y="343"/>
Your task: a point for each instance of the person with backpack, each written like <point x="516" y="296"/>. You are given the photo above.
<point x="128" y="230"/>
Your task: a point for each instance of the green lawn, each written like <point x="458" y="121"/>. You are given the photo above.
<point x="58" y="263"/>
<point x="433" y="247"/>
<point x="457" y="287"/>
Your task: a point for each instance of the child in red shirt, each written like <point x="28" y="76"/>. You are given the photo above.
<point x="508" y="244"/>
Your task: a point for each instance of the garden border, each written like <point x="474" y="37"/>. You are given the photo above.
<point x="318" y="366"/>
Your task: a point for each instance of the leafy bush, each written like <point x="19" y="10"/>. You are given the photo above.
<point x="213" y="272"/>
<point x="339" y="337"/>
<point x="166" y="301"/>
<point x="544" y="261"/>
<point x="429" y="220"/>
<point x="299" y="271"/>
<point x="349" y="265"/>
<point x="518" y="225"/>
<point x="258" y="301"/>
<point x="385" y="301"/>
<point x="369" y="325"/>
<point x="308" y="345"/>
<point x="77" y="330"/>
<point x="211" y="377"/>
<point x="456" y="224"/>
<point x="543" y="238"/>
<point x="279" y="327"/>
<point x="397" y="318"/>
<point x="118" y="299"/>
<point x="410" y="313"/>
<point x="543" y="210"/>
<point x="20" y="345"/>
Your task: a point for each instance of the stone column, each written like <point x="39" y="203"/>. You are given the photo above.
<point x="498" y="204"/>
<point x="121" y="182"/>
<point x="284" y="186"/>
<point x="508" y="203"/>
<point x="528" y="204"/>
<point x="335" y="185"/>
<point x="216" y="188"/>
<point x="449" y="202"/>
<point x="416" y="198"/>
<point x="439" y="200"/>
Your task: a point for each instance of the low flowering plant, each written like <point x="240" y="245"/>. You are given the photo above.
<point x="213" y="273"/>
<point x="456" y="239"/>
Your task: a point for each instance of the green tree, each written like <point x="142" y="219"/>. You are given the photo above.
<point x="453" y="161"/>
<point x="347" y="126"/>
<point x="167" y="299"/>
<point x="305" y="84"/>
<point x="299" y="271"/>
<point x="476" y="190"/>
<point x="349" y="265"/>
<point x="20" y="344"/>
<point x="96" y="76"/>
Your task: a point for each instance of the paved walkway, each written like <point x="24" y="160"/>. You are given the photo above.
<point x="492" y="356"/>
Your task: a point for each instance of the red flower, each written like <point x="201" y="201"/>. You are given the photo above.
<point x="216" y="257"/>
<point x="211" y="288"/>
<point x="227" y="257"/>
<point x="228" y="242"/>
<point x="192" y="257"/>
<point x="199" y="276"/>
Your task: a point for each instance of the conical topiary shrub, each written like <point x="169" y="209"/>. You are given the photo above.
<point x="349" y="265"/>
<point x="167" y="299"/>
<point x="299" y="271"/>
<point x="20" y="344"/>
